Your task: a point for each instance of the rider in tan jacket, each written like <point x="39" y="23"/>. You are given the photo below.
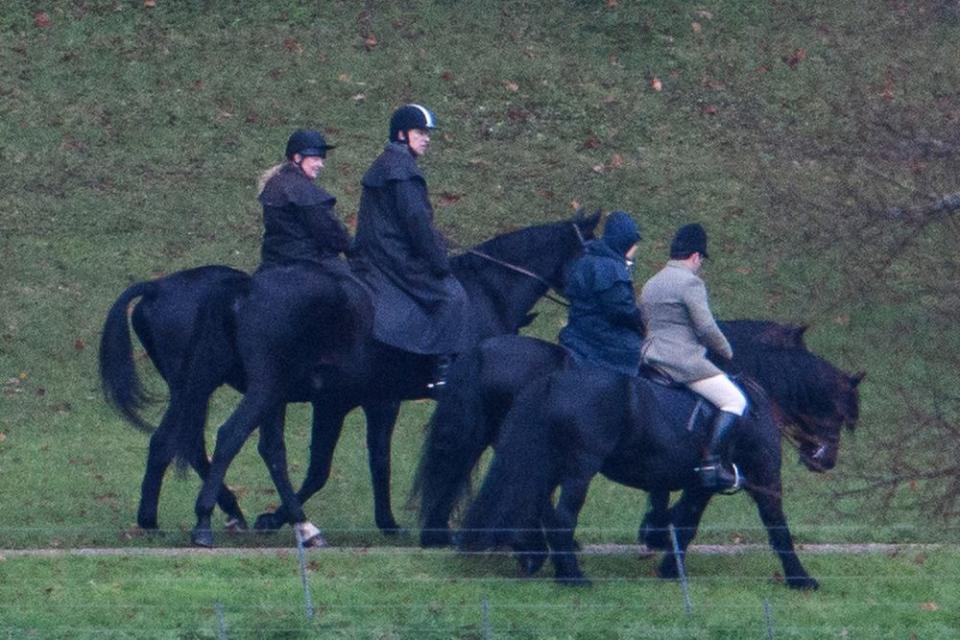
<point x="679" y="330"/>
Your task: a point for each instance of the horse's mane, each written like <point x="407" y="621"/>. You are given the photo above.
<point x="798" y="382"/>
<point x="528" y="241"/>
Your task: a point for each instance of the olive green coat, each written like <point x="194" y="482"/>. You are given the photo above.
<point x="679" y="325"/>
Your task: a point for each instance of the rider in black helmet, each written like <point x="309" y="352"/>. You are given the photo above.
<point x="300" y="223"/>
<point x="420" y="306"/>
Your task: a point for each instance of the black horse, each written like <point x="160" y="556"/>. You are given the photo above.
<point x="812" y="400"/>
<point x="189" y="323"/>
<point x="567" y="426"/>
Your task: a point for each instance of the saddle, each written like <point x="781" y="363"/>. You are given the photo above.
<point x="703" y="411"/>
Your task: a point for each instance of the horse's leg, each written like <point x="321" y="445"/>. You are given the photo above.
<point x="653" y="528"/>
<point x="770" y="506"/>
<point x="226" y="499"/>
<point x="381" y="419"/>
<point x="273" y="450"/>
<point x="161" y="452"/>
<point x="159" y="456"/>
<point x="561" y="523"/>
<point x="327" y="426"/>
<point x="685" y="516"/>
<point x="230" y="439"/>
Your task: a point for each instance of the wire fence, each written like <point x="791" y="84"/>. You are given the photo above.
<point x="317" y="602"/>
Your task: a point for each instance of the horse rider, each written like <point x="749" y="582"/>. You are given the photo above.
<point x="604" y="325"/>
<point x="679" y="329"/>
<point x="420" y="306"/>
<point x="300" y="223"/>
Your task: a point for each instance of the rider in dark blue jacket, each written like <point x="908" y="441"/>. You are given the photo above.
<point x="604" y="326"/>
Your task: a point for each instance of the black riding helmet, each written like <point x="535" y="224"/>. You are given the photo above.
<point x="307" y="142"/>
<point x="411" y="116"/>
<point x="690" y="238"/>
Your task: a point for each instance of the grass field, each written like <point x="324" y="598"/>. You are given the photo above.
<point x="809" y="138"/>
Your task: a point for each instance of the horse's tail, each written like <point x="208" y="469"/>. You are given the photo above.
<point x="118" y="373"/>
<point x="457" y="435"/>
<point x="518" y="483"/>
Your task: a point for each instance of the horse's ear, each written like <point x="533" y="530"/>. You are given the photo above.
<point x="857" y="378"/>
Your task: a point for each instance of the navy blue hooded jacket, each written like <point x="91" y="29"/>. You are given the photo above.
<point x="604" y="326"/>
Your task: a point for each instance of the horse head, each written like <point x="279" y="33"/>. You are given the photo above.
<point x="816" y="433"/>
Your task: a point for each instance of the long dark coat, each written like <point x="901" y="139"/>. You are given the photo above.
<point x="300" y="224"/>
<point x="603" y="324"/>
<point x="419" y="305"/>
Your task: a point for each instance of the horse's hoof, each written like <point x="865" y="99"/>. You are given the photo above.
<point x="310" y="536"/>
<point x="267" y="523"/>
<point x="654" y="538"/>
<point x="235" y="525"/>
<point x="316" y="542"/>
<point x="668" y="570"/>
<point x="435" y="538"/>
<point x="202" y="538"/>
<point x="805" y="583"/>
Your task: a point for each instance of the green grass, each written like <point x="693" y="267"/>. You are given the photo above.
<point x="131" y="141"/>
<point x="384" y="593"/>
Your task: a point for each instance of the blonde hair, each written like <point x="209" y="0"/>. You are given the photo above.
<point x="266" y="175"/>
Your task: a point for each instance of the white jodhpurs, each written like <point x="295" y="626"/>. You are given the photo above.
<point x="721" y="392"/>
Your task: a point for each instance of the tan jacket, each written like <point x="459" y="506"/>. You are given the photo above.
<point x="679" y="325"/>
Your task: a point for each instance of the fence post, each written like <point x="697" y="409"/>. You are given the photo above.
<point x="308" y="599"/>
<point x="768" y="617"/>
<point x="221" y="621"/>
<point x="485" y="619"/>
<point x="678" y="555"/>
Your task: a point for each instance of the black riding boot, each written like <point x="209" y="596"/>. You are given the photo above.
<point x="712" y="472"/>
<point x="440" y="370"/>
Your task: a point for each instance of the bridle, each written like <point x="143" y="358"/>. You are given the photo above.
<point x="558" y="297"/>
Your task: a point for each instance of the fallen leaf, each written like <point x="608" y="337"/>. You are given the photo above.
<point x="447" y="76"/>
<point x="513" y="87"/>
<point x="3" y="436"/>
<point x="795" y="58"/>
<point x="344" y="77"/>
<point x="360" y="97"/>
<point x="23" y="375"/>
<point x="696" y="26"/>
<point x="929" y="606"/>
<point x="616" y="161"/>
<point x="656" y="84"/>
<point x="149" y="4"/>
<point x="292" y="45"/>
<point x="370" y="42"/>
<point x="447" y="198"/>
<point x="79" y="345"/>
<point x="591" y="143"/>
<point x="42" y="19"/>
<point x="709" y="109"/>
<point x="598" y="168"/>
<point x="611" y="4"/>
<point x="705" y="15"/>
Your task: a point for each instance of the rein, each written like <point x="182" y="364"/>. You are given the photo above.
<point x="526" y="272"/>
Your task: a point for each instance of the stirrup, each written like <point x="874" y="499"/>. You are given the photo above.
<point x="711" y="474"/>
<point x="437" y="384"/>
